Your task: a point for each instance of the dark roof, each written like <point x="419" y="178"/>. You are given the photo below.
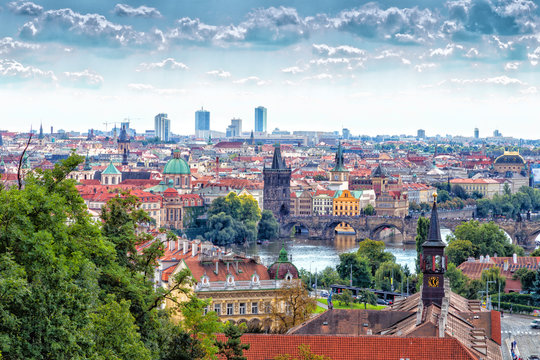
<point x="509" y="159"/>
<point x="277" y="162"/>
<point x="379" y="172"/>
<point x="434" y="235"/>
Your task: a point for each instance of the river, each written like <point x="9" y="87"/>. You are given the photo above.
<point x="316" y="254"/>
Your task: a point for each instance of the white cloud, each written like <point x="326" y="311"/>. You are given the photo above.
<point x="219" y="73"/>
<point x="292" y="70"/>
<point x="84" y="29"/>
<point x="147" y="88"/>
<point x="141" y="11"/>
<point x="534" y="57"/>
<point x="11" y="69"/>
<point x="424" y="67"/>
<point x="512" y="65"/>
<point x="497" y="80"/>
<point x="25" y="8"/>
<point x="321" y="76"/>
<point x="342" y="51"/>
<point x="84" y="78"/>
<point x="8" y="44"/>
<point x="167" y="64"/>
<point x="447" y="51"/>
<point x="251" y="80"/>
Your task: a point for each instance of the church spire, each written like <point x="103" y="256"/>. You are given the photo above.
<point x="277" y="162"/>
<point x="40" y="131"/>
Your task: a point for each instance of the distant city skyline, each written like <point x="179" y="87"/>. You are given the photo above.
<point x="378" y="67"/>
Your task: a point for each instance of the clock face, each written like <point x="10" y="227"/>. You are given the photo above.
<point x="433" y="281"/>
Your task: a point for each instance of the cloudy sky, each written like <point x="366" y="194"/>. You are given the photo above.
<point x="386" y="67"/>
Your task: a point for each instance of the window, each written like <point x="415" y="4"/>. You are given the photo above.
<point x="217" y="309"/>
<point x="254" y="308"/>
<point x="242" y="308"/>
<point x="230" y="309"/>
<point x="205" y="310"/>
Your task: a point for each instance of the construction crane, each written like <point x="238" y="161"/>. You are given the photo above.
<point x="110" y="122"/>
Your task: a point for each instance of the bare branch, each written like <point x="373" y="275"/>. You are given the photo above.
<point x="19" y="177"/>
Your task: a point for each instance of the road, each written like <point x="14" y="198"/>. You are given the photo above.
<point x="518" y="328"/>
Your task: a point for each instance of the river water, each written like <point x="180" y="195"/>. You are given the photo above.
<point x="316" y="254"/>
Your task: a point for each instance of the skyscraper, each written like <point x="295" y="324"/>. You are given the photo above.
<point x="202" y="123"/>
<point x="476" y="133"/>
<point x="260" y="119"/>
<point x="162" y="127"/>
<point x="421" y="134"/>
<point x="235" y="129"/>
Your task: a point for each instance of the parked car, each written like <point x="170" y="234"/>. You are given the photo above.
<point x="382" y="302"/>
<point x="324" y="293"/>
<point x="536" y="313"/>
<point x="535" y="324"/>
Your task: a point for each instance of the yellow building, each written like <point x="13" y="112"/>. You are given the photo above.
<point x="347" y="203"/>
<point x="486" y="187"/>
<point x="240" y="289"/>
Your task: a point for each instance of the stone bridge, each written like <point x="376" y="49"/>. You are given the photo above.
<point x="522" y="233"/>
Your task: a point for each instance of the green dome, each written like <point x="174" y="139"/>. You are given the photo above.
<point x="176" y="166"/>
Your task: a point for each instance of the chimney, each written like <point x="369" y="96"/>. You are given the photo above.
<point x="481" y="258"/>
<point x="515" y="258"/>
<point x="227" y="268"/>
<point x="171" y="245"/>
<point x="185" y="246"/>
<point x="178" y="245"/>
<point x="217" y="267"/>
<point x="487" y="258"/>
<point x="505" y="267"/>
<point x="194" y="248"/>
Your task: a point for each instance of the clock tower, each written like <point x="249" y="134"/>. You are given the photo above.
<point x="433" y="261"/>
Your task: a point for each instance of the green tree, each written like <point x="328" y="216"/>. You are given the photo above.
<point x="268" y="227"/>
<point x="345" y="297"/>
<point x="488" y="239"/>
<point x="374" y="252"/>
<point x="201" y="327"/>
<point x="389" y="275"/>
<point x="493" y="274"/>
<point x="535" y="252"/>
<point x="366" y="297"/>
<point x="535" y="290"/>
<point x="369" y="210"/>
<point x="526" y="277"/>
<point x="114" y="333"/>
<point x="460" y="192"/>
<point x="458" y="281"/>
<point x="361" y="270"/>
<point x="422" y="229"/>
<point x="459" y="251"/>
<point x="330" y="276"/>
<point x="232" y="349"/>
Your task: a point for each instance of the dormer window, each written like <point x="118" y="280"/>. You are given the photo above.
<point x="205" y="281"/>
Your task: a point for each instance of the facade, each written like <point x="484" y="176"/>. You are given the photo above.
<point x="162" y="127"/>
<point x="323" y="201"/>
<point x="421" y="134"/>
<point x="235" y="129"/>
<point x="510" y="161"/>
<point x="347" y="203"/>
<point x="277" y="186"/>
<point x="486" y="187"/>
<point x="302" y="203"/>
<point x="419" y="193"/>
<point x="392" y="203"/>
<point x="202" y="123"/>
<point x="175" y="205"/>
<point x="260" y="119"/>
<point x="111" y="175"/>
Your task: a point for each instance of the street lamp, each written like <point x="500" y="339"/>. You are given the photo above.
<point x="488" y="303"/>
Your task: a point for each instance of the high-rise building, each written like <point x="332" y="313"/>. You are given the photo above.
<point x="235" y="129"/>
<point x="497" y="133"/>
<point x="162" y="127"/>
<point x="260" y="119"/>
<point x="346" y="133"/>
<point x="476" y="133"/>
<point x="421" y="134"/>
<point x="202" y="123"/>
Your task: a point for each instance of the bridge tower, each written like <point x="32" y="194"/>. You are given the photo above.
<point x="277" y="186"/>
<point x="433" y="262"/>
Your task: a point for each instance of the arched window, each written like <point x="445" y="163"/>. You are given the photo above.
<point x="106" y="180"/>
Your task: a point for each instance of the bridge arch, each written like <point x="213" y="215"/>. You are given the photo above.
<point x="287" y="227"/>
<point x="377" y="229"/>
<point x="329" y="230"/>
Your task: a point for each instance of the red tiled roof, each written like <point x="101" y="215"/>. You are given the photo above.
<point x="264" y="347"/>
<point x="246" y="268"/>
<point x="496" y="326"/>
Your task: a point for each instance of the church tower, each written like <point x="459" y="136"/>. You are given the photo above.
<point x="433" y="261"/>
<point x="339" y="175"/>
<point x="277" y="186"/>
<point x="123" y="145"/>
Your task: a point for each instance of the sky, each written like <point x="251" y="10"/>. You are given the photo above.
<point x="382" y="67"/>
